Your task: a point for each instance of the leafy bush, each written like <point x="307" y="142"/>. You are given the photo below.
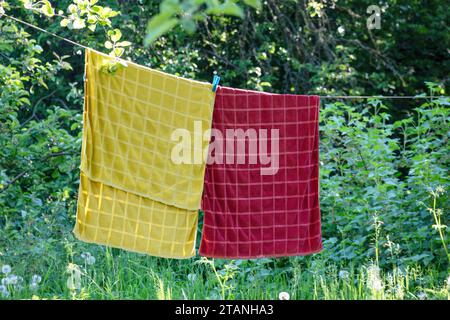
<point x="384" y="173"/>
<point x="388" y="171"/>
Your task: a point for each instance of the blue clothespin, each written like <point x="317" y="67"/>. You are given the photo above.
<point x="215" y="82"/>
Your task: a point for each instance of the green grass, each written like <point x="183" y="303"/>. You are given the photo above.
<point x="117" y="274"/>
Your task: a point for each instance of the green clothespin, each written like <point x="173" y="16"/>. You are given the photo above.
<point x="215" y="83"/>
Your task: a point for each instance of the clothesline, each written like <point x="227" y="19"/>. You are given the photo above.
<point x="45" y="31"/>
<point x="322" y="97"/>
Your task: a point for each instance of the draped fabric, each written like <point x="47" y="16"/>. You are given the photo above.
<point x="263" y="209"/>
<point x="132" y="194"/>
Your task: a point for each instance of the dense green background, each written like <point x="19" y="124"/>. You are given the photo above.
<point x="384" y="163"/>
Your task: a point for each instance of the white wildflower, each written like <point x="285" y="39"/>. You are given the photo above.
<point x="74" y="280"/>
<point x="284" y="296"/>
<point x="73" y="283"/>
<point x="377" y="285"/>
<point x="373" y="278"/>
<point x="5" y="281"/>
<point x="341" y="30"/>
<point x="6" y="269"/>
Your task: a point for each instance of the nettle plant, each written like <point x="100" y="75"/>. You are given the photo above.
<point x="383" y="183"/>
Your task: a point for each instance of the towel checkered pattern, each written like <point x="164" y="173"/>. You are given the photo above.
<point x="121" y="219"/>
<point x="249" y="215"/>
<point x="128" y="177"/>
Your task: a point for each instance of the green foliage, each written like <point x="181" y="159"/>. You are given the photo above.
<point x="369" y="169"/>
<point x="40" y="146"/>
<point x="123" y="276"/>
<point x="384" y="165"/>
<point x="82" y="14"/>
<point x="188" y="13"/>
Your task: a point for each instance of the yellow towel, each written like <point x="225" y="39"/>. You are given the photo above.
<point x="132" y="195"/>
<point x="121" y="219"/>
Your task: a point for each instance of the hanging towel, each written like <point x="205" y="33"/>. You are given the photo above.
<point x="132" y="195"/>
<point x="250" y="210"/>
<point x="121" y="219"/>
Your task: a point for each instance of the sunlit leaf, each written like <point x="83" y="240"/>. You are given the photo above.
<point x="123" y="44"/>
<point x="254" y="3"/>
<point x="108" y="45"/>
<point x="159" y="25"/>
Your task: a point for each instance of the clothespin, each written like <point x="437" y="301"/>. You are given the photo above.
<point x="215" y="82"/>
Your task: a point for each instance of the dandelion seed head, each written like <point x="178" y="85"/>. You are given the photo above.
<point x="90" y="260"/>
<point x="12" y="279"/>
<point x="85" y="255"/>
<point x="192" y="277"/>
<point x="36" y="279"/>
<point x="6" y="269"/>
<point x="284" y="296"/>
<point x="343" y="274"/>
<point x="422" y="296"/>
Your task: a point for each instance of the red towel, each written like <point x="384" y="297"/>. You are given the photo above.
<point x="248" y="214"/>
